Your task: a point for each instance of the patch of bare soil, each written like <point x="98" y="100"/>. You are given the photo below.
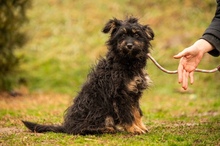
<point x="10" y="130"/>
<point x="24" y="100"/>
<point x="13" y="108"/>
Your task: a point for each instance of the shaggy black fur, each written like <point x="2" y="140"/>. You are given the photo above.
<point x="109" y="100"/>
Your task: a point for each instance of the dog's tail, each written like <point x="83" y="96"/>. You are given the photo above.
<point x="34" y="127"/>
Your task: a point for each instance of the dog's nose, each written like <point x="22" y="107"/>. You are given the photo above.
<point x="129" y="45"/>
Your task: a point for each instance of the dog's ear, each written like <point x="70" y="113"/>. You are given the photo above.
<point x="149" y="32"/>
<point x="111" y="25"/>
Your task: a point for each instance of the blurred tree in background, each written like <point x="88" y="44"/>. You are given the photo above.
<point x="12" y="17"/>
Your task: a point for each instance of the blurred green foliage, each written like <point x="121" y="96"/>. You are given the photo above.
<point x="66" y="40"/>
<point x="12" y="17"/>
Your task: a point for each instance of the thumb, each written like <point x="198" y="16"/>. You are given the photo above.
<point x="179" y="55"/>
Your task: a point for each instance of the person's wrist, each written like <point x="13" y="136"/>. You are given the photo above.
<point x="203" y="46"/>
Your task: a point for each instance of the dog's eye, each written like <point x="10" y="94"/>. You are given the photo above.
<point x="123" y="36"/>
<point x="136" y="35"/>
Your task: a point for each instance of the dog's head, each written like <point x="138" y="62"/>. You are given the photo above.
<point x="128" y="37"/>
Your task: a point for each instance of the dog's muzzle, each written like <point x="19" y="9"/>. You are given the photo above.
<point x="129" y="45"/>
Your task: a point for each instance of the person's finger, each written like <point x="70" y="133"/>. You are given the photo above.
<point x="180" y="73"/>
<point x="191" y="77"/>
<point x="185" y="79"/>
<point x="180" y="55"/>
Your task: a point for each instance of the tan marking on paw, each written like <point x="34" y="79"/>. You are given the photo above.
<point x="133" y="129"/>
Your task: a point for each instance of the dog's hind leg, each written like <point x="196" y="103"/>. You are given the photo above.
<point x="108" y="128"/>
<point x="109" y="125"/>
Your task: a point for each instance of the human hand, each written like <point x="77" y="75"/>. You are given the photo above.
<point x="189" y="60"/>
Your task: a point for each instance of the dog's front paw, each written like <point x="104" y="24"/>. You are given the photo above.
<point x="134" y="129"/>
<point x="138" y="80"/>
<point x="140" y="83"/>
<point x="137" y="84"/>
<point x="132" y="86"/>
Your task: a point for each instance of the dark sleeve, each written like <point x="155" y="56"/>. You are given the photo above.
<point x="212" y="33"/>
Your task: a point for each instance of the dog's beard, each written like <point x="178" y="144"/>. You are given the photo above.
<point x="133" y="52"/>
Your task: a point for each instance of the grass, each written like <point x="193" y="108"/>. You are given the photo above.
<point x="66" y="40"/>
<point x="193" y="123"/>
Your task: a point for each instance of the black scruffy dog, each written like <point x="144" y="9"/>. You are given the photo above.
<point x="109" y="100"/>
